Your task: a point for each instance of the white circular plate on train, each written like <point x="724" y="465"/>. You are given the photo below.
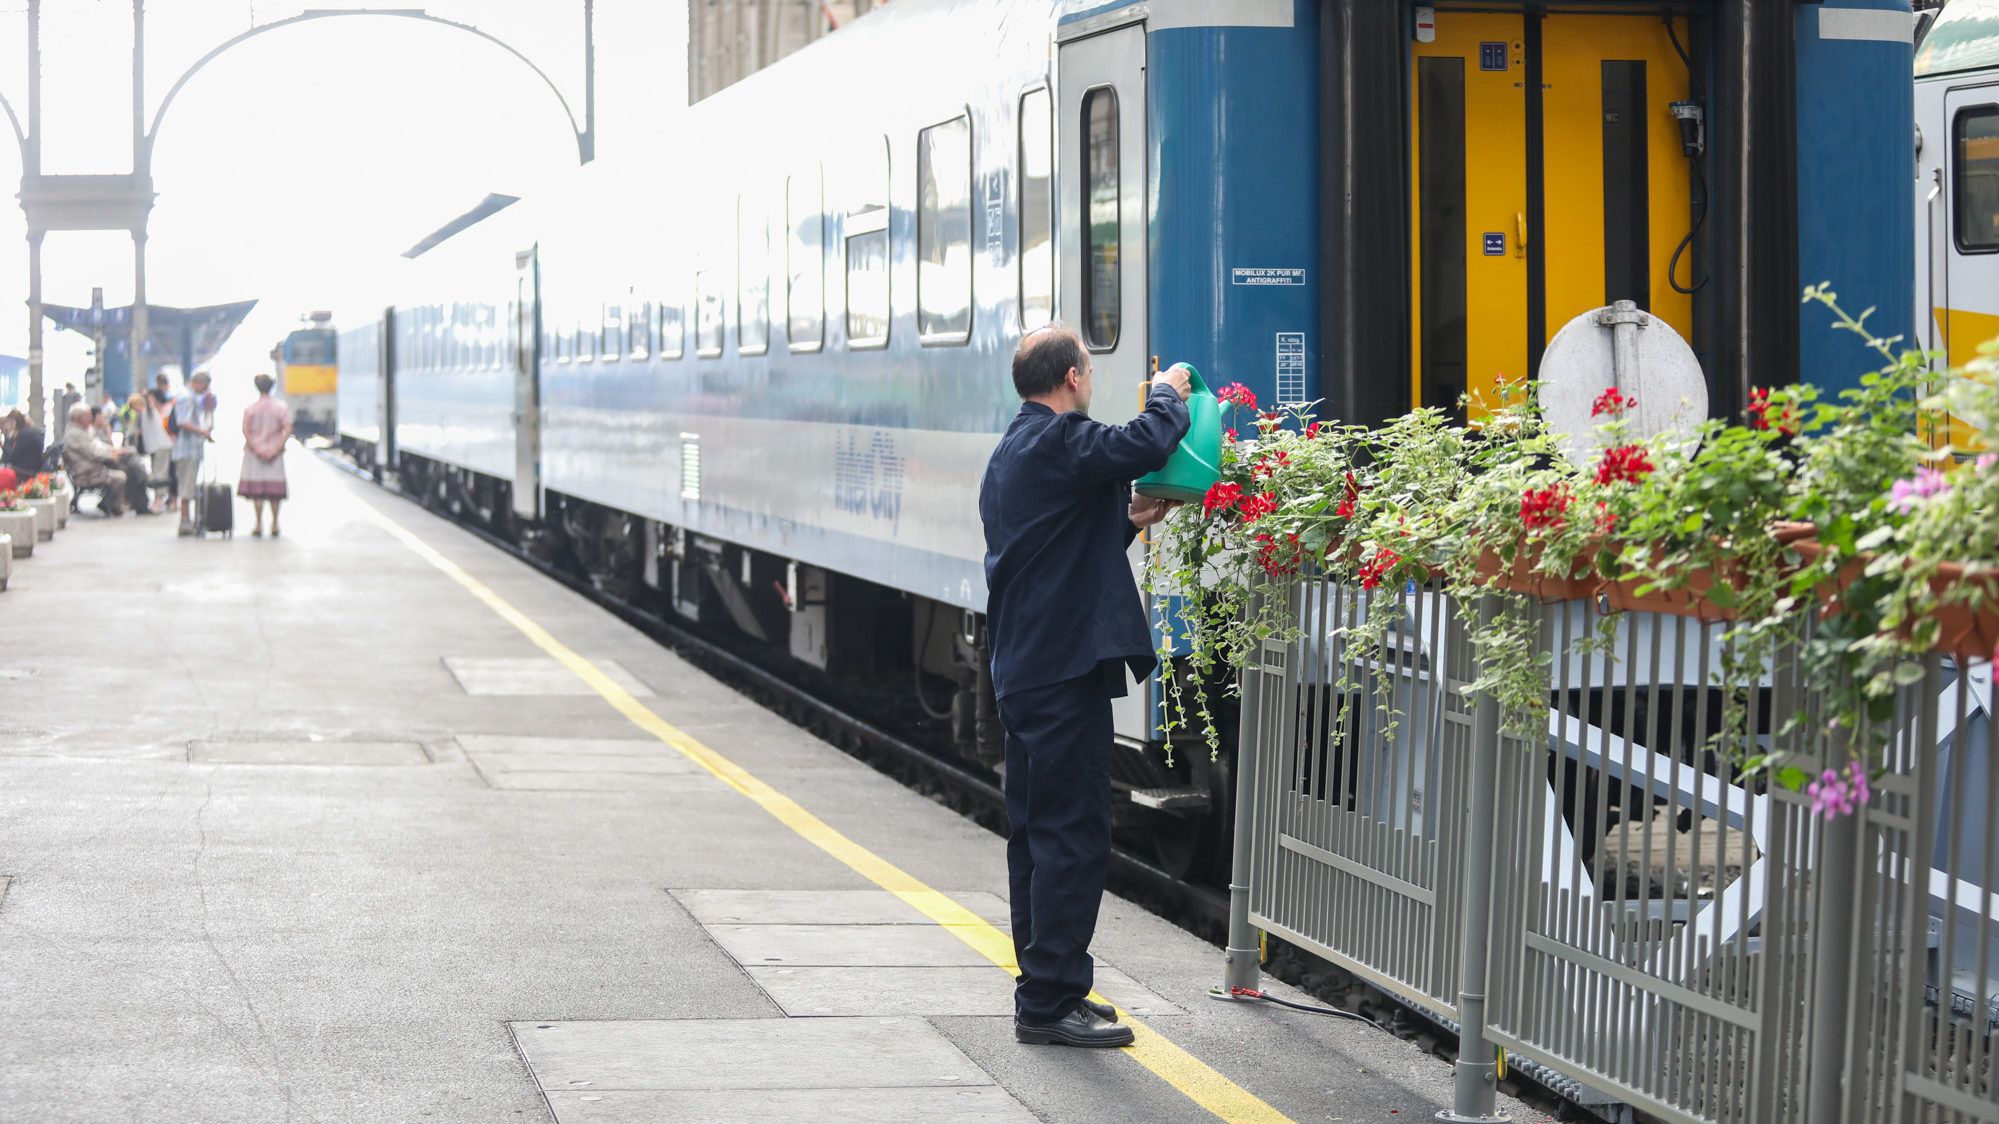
<point x="1578" y="367"/>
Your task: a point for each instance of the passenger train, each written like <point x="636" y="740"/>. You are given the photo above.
<point x="1957" y="180"/>
<point x="762" y="385"/>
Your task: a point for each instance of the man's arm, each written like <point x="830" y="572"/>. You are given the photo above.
<point x="1128" y="451"/>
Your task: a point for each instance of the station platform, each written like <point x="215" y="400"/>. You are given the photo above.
<point x="374" y="822"/>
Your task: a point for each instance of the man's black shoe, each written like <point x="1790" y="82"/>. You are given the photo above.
<point x="1080" y="1027"/>
<point x="1104" y="1011"/>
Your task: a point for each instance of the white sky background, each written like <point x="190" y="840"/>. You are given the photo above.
<point x="297" y="166"/>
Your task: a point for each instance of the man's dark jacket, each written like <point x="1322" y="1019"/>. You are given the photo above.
<point x="24" y="452"/>
<point x="1061" y="596"/>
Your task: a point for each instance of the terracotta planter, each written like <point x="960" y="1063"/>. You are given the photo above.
<point x="19" y="526"/>
<point x="1522" y="577"/>
<point x="1964" y="631"/>
<point x="45" y="517"/>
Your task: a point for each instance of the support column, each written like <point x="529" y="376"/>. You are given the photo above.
<point x="1476" y="1097"/>
<point x="37" y="406"/>
<point x="141" y="375"/>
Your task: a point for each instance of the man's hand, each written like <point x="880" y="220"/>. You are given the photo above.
<point x="1145" y="510"/>
<point x="1176" y="377"/>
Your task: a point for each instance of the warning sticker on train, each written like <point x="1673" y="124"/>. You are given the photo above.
<point x="1266" y="277"/>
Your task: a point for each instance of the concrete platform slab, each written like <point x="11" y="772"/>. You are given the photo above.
<point x="509" y="744"/>
<point x="658" y="764"/>
<point x="823" y="907"/>
<point x="982" y="1105"/>
<point x="713" y="1054"/>
<point x="574" y="780"/>
<point x="882" y="946"/>
<point x="534" y="675"/>
<point x="306" y="753"/>
<point x="821" y="992"/>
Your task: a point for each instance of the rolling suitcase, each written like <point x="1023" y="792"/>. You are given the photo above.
<point x="215" y="508"/>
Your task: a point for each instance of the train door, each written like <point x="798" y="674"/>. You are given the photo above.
<point x="527" y="385"/>
<point x="1967" y="308"/>
<point x="1101" y="240"/>
<point x="385" y="363"/>
<point x="1548" y="179"/>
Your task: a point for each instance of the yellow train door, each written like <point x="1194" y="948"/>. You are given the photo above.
<point x="1548" y="179"/>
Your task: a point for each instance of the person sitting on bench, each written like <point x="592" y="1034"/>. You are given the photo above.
<point x="93" y="463"/>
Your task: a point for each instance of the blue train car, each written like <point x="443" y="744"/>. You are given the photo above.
<point x="759" y="375"/>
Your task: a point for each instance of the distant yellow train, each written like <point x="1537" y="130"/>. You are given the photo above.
<point x="308" y="374"/>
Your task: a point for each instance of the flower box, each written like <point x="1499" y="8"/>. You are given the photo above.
<point x="63" y="496"/>
<point x="45" y="516"/>
<point x="1964" y="631"/>
<point x="19" y="525"/>
<point x="6" y="560"/>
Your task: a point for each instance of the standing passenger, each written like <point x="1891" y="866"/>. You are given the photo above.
<point x="267" y="424"/>
<point x="1065" y="622"/>
<point x="193" y="420"/>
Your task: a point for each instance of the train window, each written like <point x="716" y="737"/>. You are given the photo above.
<point x="944" y="232"/>
<point x="866" y="234"/>
<point x="805" y="223"/>
<point x="752" y="277"/>
<point x="612" y="344"/>
<point x="639" y="328"/>
<point x="1975" y="180"/>
<point x="1036" y="258"/>
<point x="707" y="315"/>
<point x="1104" y="286"/>
<point x="586" y="333"/>
<point x="672" y="331"/>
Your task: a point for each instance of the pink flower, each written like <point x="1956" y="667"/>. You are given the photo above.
<point x="1908" y="495"/>
<point x="1839" y="792"/>
<point x="1988" y="460"/>
<point x="1236" y="394"/>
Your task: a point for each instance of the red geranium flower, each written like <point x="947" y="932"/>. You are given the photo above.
<point x="1231" y="435"/>
<point x="1349" y="503"/>
<point x="1375" y="568"/>
<point x="1220" y="497"/>
<point x="1612" y="402"/>
<point x="1257" y="505"/>
<point x="1236" y="394"/>
<point x="1311" y="430"/>
<point x="1786" y="421"/>
<point x="1606" y="519"/>
<point x="1267" y="467"/>
<point x="1544" y="509"/>
<point x="1625" y="464"/>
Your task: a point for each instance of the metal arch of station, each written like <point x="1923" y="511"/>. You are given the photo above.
<point x="586" y="134"/>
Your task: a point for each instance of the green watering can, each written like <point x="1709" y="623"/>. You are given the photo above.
<point x="1197" y="463"/>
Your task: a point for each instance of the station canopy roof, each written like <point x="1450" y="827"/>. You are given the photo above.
<point x="187" y="336"/>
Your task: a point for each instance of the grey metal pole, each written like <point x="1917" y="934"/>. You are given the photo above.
<point x="1476" y="1097"/>
<point x="1241" y="967"/>
<point x="141" y="322"/>
<point x="31" y="165"/>
<point x="1833" y="923"/>
<point x="38" y="409"/>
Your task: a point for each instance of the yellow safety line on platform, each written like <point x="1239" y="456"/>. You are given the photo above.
<point x="1194" y="1078"/>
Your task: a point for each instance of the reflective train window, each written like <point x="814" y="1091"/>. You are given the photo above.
<point x="805" y="222"/>
<point x="672" y="330"/>
<point x="707" y="315"/>
<point x="640" y="329"/>
<point x="611" y="344"/>
<point x="1975" y="180"/>
<point x="1101" y="289"/>
<point x="1036" y="259"/>
<point x="585" y="322"/>
<point x="944" y="232"/>
<point x="866" y="233"/>
<point x="753" y="274"/>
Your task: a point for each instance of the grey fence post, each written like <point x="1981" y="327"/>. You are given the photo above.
<point x="1832" y="936"/>
<point x="1476" y="1097"/>
<point x="1241" y="963"/>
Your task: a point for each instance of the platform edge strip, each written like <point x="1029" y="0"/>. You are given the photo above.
<point x="1187" y="1074"/>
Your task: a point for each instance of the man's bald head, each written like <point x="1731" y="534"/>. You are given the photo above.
<point x="1046" y="356"/>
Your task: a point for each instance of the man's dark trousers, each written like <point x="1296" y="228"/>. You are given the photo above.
<point x="1058" y="814"/>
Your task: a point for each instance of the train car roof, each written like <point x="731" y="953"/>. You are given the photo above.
<point x="1964" y="37"/>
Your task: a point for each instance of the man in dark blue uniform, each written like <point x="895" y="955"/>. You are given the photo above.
<point x="1065" y="622"/>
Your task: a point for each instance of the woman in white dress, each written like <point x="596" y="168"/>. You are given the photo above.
<point x="267" y="425"/>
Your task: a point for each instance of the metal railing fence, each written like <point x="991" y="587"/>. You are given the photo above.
<point x="1617" y="902"/>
